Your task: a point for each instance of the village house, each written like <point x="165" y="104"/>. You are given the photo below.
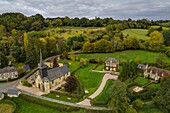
<point x="13" y="92"/>
<point x="156" y="73"/>
<point x="9" y="72"/>
<point x="111" y="64"/>
<point x="45" y="78"/>
<point x="1" y="95"/>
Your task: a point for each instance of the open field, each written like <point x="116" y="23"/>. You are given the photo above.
<point x="164" y="28"/>
<point x="138" y="33"/>
<point x="144" y="56"/>
<point x="66" y="32"/>
<point x="90" y="80"/>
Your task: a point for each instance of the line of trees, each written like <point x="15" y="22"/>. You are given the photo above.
<point x="18" y="21"/>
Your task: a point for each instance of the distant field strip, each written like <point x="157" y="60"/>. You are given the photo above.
<point x="138" y="33"/>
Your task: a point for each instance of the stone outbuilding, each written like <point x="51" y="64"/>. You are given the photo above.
<point x="13" y="92"/>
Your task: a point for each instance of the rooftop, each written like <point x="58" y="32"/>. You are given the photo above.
<point x="8" y="69"/>
<point x="13" y="91"/>
<point x="113" y="60"/>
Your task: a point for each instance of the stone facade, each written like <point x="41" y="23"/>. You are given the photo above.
<point x="156" y="73"/>
<point x="111" y="64"/>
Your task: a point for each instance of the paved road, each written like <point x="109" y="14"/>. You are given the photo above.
<point x="66" y="103"/>
<point x="106" y="77"/>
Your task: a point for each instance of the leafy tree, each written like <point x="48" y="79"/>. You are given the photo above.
<point x="119" y="101"/>
<point x="83" y="62"/>
<point x="71" y="83"/>
<point x="162" y="98"/>
<point x="25" y="41"/>
<point x="3" y="60"/>
<point x="155" y="42"/>
<point x="137" y="104"/>
<point x="130" y="110"/>
<point x="88" y="47"/>
<point x="166" y="36"/>
<point x="103" y="46"/>
<point x="159" y="61"/>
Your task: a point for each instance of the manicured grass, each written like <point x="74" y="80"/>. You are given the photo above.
<point x="154" y="86"/>
<point x="144" y="56"/>
<point x="100" y="67"/>
<point x="7" y="106"/>
<point x="150" y="108"/>
<point x="138" y="33"/>
<point x="62" y="97"/>
<point x="90" y="80"/>
<point x="104" y="96"/>
<point x="141" y="81"/>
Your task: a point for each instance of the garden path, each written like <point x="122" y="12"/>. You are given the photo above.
<point x="106" y="77"/>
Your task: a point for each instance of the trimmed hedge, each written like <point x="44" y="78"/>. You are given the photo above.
<point x="147" y="95"/>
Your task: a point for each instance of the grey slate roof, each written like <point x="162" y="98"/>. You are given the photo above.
<point x="8" y="69"/>
<point x="27" y="67"/>
<point x="141" y="66"/>
<point x="13" y="91"/>
<point x="56" y="73"/>
<point x="113" y="60"/>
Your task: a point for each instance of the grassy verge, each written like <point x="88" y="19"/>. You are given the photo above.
<point x="61" y="97"/>
<point x="104" y="97"/>
<point x="144" y="56"/>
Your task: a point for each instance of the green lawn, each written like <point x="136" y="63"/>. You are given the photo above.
<point x="154" y="86"/>
<point x="144" y="56"/>
<point x="104" y="96"/>
<point x="138" y="33"/>
<point x="150" y="108"/>
<point x="141" y="81"/>
<point x="89" y="80"/>
<point x="100" y="67"/>
<point x="62" y="97"/>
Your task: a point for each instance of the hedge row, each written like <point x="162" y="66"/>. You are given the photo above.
<point x="147" y="95"/>
<point x="49" y="104"/>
